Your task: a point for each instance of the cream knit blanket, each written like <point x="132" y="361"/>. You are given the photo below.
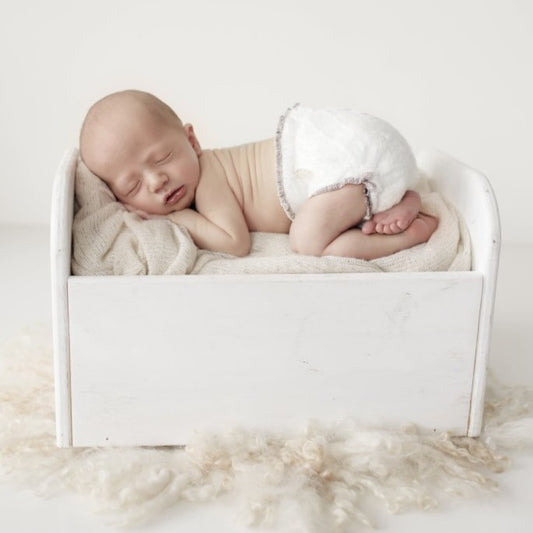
<point x="109" y="240"/>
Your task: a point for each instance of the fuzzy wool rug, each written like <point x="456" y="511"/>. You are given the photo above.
<point x="328" y="478"/>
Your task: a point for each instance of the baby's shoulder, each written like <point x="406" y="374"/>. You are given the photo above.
<point x="213" y="170"/>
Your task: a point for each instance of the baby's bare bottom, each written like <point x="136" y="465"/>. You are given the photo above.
<point x="325" y="225"/>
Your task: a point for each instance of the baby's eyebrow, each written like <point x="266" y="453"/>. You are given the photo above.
<point x="155" y="151"/>
<point x="123" y="184"/>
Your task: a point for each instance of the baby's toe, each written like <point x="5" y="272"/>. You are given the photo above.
<point x="394" y="228"/>
<point x="369" y="227"/>
<point x="402" y="224"/>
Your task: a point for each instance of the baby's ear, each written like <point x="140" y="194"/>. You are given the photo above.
<point x="191" y="136"/>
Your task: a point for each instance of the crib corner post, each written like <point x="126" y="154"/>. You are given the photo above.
<point x="60" y="256"/>
<point x="488" y="259"/>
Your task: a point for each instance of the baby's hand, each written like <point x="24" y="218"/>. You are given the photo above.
<point x="143" y="214"/>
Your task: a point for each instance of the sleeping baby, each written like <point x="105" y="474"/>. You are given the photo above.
<point x="337" y="181"/>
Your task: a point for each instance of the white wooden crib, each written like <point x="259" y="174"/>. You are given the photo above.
<point x="147" y="360"/>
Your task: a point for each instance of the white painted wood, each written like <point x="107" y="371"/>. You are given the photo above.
<point x="471" y="192"/>
<point x="60" y="251"/>
<point x="158" y="357"/>
<point x="142" y="360"/>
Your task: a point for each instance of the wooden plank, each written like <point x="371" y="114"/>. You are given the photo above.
<point x="60" y="252"/>
<point x="472" y="194"/>
<point x="154" y="358"/>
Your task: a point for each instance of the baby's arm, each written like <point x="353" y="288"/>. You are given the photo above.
<point x="218" y="224"/>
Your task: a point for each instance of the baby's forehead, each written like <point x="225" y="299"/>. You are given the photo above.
<point x="121" y="126"/>
<point x="124" y="110"/>
<point x="124" y="113"/>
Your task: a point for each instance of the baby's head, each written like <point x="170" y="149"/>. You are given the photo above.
<point x="136" y="144"/>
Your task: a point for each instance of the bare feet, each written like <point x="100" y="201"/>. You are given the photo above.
<point x="396" y="219"/>
<point x="421" y="229"/>
<point x="354" y="243"/>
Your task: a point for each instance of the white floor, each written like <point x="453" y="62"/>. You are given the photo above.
<point x="25" y="300"/>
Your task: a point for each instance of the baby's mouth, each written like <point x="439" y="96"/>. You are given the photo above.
<point x="173" y="196"/>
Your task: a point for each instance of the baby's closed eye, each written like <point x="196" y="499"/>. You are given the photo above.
<point x="133" y="189"/>
<point x="164" y="159"/>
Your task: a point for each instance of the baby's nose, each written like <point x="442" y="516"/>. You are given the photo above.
<point x="156" y="181"/>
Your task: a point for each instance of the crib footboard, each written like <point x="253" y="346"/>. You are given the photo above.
<point x="147" y="360"/>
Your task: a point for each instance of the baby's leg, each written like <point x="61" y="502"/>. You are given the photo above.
<point x="355" y="243"/>
<point x="396" y="219"/>
<point x="322" y="218"/>
<point x="324" y="225"/>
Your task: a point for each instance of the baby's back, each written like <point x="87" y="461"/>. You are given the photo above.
<point x="250" y="171"/>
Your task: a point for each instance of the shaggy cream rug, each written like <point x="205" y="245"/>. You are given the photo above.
<point x="327" y="478"/>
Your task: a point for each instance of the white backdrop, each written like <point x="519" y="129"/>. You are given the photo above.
<point x="454" y="74"/>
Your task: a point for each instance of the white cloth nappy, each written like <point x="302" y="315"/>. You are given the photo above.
<point x="320" y="150"/>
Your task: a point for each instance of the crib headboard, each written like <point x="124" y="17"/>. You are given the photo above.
<point x="60" y="253"/>
<point x="472" y="194"/>
<point x="460" y="184"/>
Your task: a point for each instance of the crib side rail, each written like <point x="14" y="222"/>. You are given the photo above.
<point x="472" y="194"/>
<point x="60" y="254"/>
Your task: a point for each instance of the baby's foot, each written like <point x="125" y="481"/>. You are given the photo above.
<point x="396" y="219"/>
<point x="421" y="229"/>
